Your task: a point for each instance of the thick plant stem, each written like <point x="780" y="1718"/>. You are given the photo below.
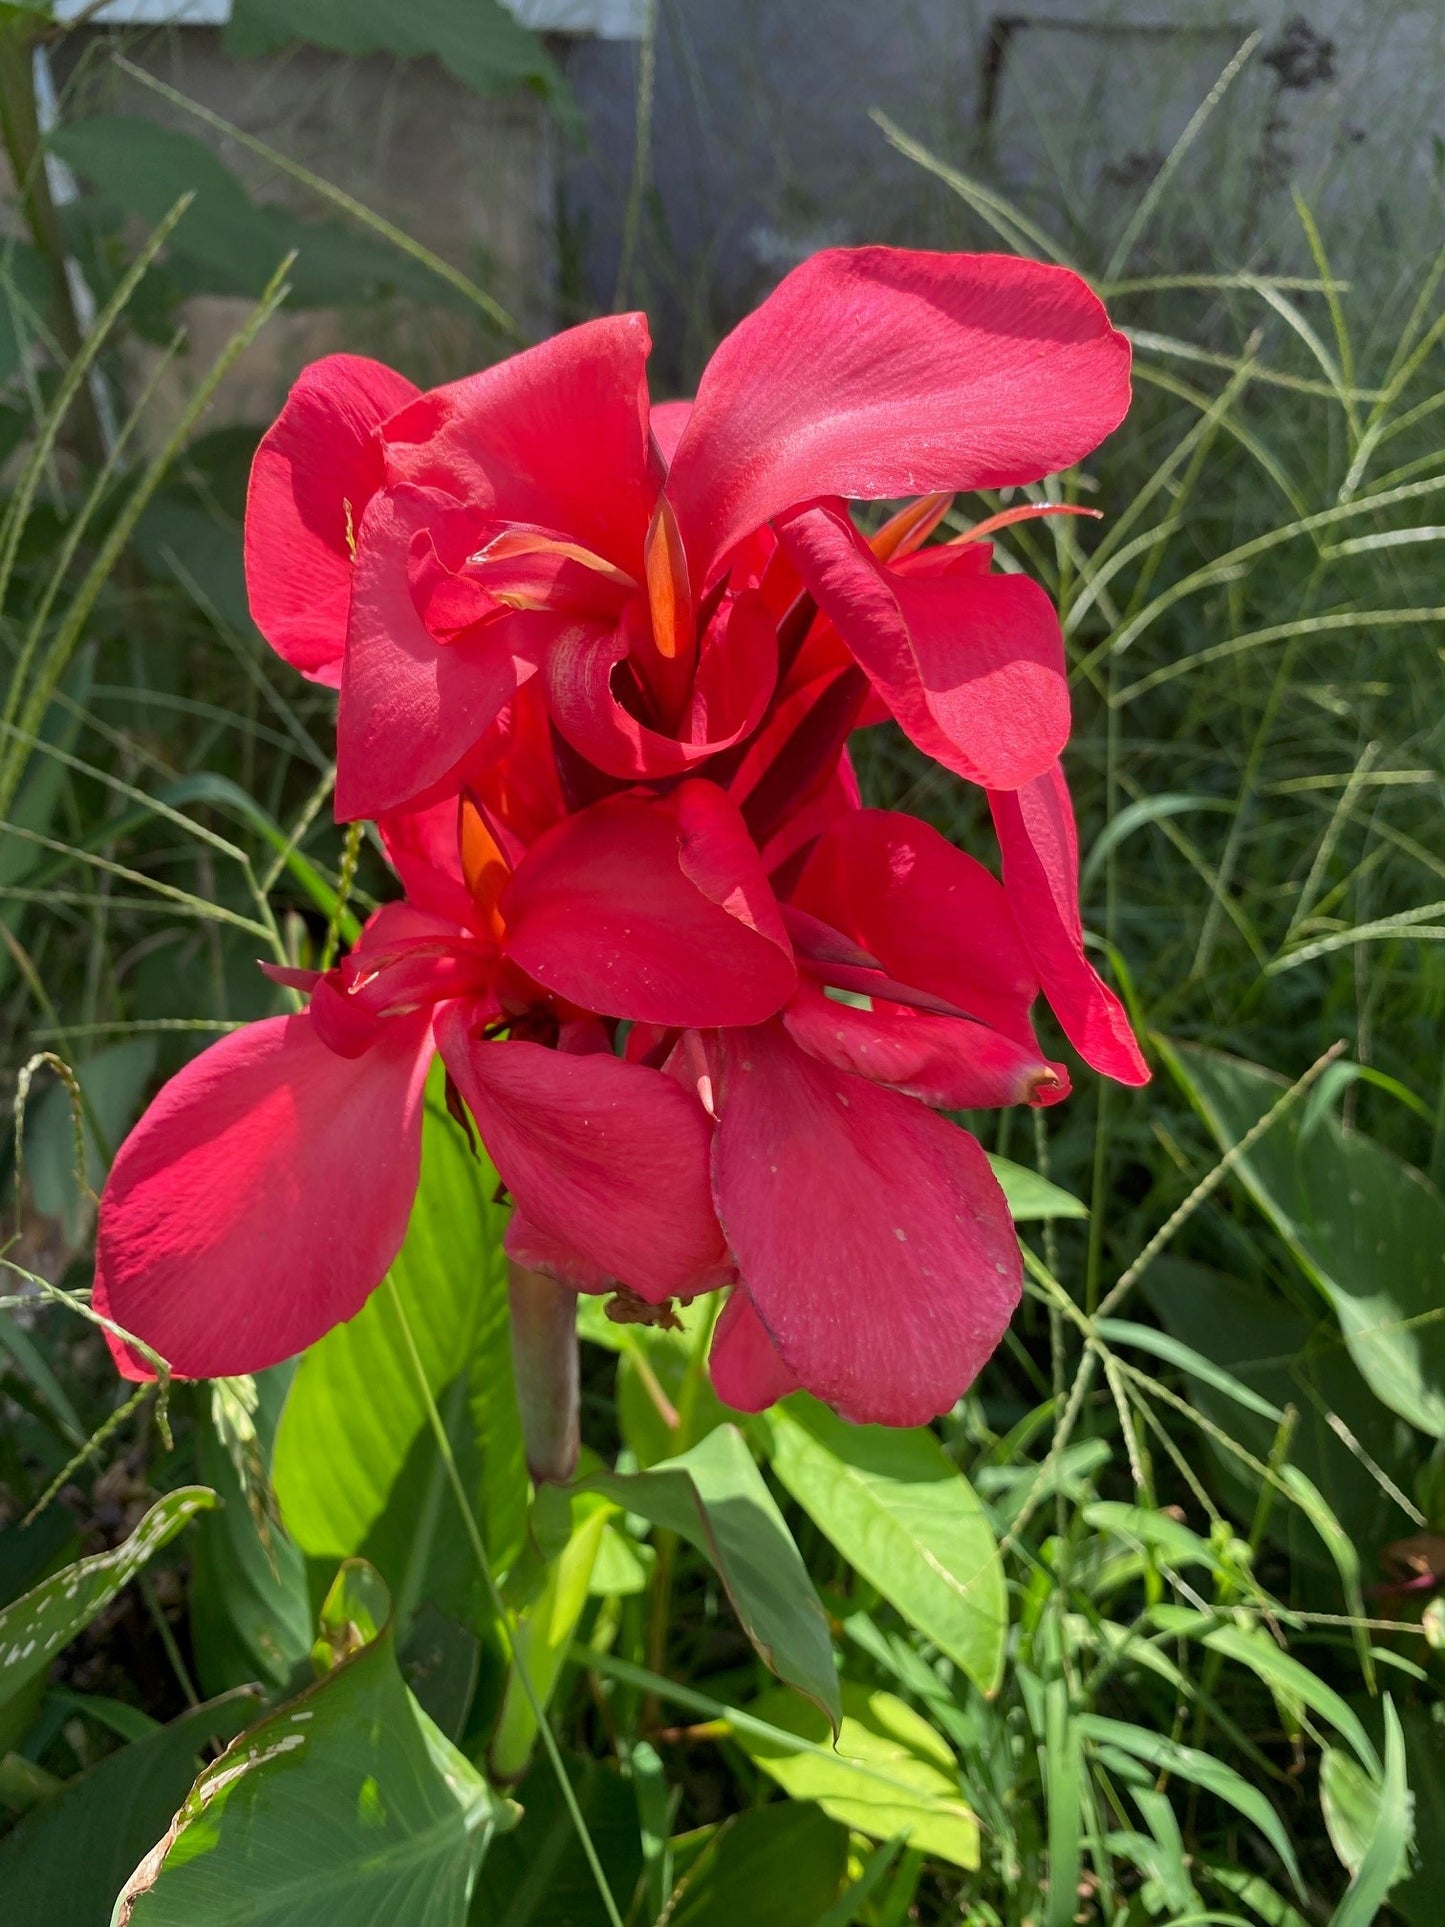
<point x="20" y="128"/>
<point x="544" y="1359"/>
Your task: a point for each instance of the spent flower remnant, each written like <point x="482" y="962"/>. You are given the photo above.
<point x="597" y="664"/>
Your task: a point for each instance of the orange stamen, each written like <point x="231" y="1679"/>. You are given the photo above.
<point x="669" y="594"/>
<point x="516" y="544"/>
<point x="1025" y="512"/>
<point x="484" y="868"/>
<point x="910" y="528"/>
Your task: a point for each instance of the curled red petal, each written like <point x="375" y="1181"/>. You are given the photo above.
<point x="874" y="373"/>
<point x="412" y="708"/>
<point x="871" y="1235"/>
<point x="1040" y="847"/>
<point x="949" y="1062"/>
<point x="736" y="670"/>
<point x="606" y="1160"/>
<point x="971" y="665"/>
<point x="556" y="436"/>
<point x="317" y="467"/>
<point x="933" y="917"/>
<point x="261" y="1198"/>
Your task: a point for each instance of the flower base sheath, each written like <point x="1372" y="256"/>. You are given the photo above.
<point x="597" y="664"/>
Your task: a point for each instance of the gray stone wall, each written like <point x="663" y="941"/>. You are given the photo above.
<point x="762" y="145"/>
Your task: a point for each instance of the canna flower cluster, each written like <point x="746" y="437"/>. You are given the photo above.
<point x="597" y="662"/>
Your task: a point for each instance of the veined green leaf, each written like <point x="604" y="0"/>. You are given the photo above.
<point x="1368" y="1230"/>
<point x="715" y="1497"/>
<point x="890" y="1775"/>
<point x="356" y="1468"/>
<point x="34" y="1627"/>
<point x="901" y="1513"/>
<point x="344" y="1808"/>
<point x="541" y="1635"/>
<point x="115" y="1811"/>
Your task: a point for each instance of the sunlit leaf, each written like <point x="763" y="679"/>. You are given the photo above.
<point x="1031" y="1196"/>
<point x="890" y="1775"/>
<point x="897" y="1508"/>
<point x="715" y="1497"/>
<point x="345" y="1808"/>
<point x="356" y="1467"/>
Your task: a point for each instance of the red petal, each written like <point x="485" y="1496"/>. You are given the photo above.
<point x="421" y="845"/>
<point x="737" y="667"/>
<point x="872" y="1237"/>
<point x="412" y="708"/>
<point x="746" y="1370"/>
<point x="554" y="1257"/>
<point x="948" y="1062"/>
<point x="876" y="372"/>
<point x="972" y="665"/>
<point x="316" y="469"/>
<point x="718" y="856"/>
<point x="652" y="909"/>
<point x="839" y="795"/>
<point x="556" y="436"/>
<point x="1041" y="877"/>
<point x="262" y="1196"/>
<point x="933" y="917"/>
<point x="605" y="1159"/>
<point x="669" y="418"/>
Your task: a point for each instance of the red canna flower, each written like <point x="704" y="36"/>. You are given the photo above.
<point x="541" y="520"/>
<point x="598" y="662"/>
<point x="261" y="1198"/>
<point x="872" y="1248"/>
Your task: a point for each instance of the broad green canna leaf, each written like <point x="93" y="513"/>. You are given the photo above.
<point x="35" y="1627"/>
<point x="117" y="1809"/>
<point x="356" y="1468"/>
<point x="346" y="1805"/>
<point x="715" y="1497"/>
<point x="889" y="1775"/>
<point x="900" y="1512"/>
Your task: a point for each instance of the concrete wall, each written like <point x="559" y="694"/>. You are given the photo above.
<point x="762" y="146"/>
<point x="470" y="178"/>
